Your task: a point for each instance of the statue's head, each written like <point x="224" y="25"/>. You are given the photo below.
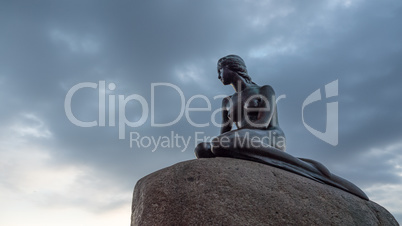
<point x="235" y="64"/>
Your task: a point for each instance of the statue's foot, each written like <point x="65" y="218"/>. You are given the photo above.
<point x="203" y="150"/>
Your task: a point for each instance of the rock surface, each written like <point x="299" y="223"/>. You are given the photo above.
<point x="225" y="191"/>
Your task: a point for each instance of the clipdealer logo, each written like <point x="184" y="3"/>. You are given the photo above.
<point x="330" y="135"/>
<point x="331" y="127"/>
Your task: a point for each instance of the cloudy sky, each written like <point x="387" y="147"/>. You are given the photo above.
<point x="54" y="172"/>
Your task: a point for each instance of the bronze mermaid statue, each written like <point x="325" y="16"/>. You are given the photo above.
<point x="258" y="136"/>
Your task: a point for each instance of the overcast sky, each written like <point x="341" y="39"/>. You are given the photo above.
<point x="53" y="172"/>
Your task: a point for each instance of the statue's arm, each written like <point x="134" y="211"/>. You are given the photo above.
<point x="266" y="109"/>
<point x="226" y="121"/>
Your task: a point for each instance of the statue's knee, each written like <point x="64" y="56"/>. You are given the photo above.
<point x="203" y="150"/>
<point x="219" y="147"/>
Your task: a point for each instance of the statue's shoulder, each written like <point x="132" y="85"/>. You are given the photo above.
<point x="267" y="88"/>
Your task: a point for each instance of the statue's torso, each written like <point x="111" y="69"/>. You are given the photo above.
<point x="249" y="98"/>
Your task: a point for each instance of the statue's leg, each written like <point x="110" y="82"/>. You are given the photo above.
<point x="203" y="150"/>
<point x="257" y="145"/>
<point x="248" y="144"/>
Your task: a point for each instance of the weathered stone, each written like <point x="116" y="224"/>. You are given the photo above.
<point x="225" y="191"/>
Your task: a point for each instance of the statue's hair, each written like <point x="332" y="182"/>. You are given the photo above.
<point x="236" y="64"/>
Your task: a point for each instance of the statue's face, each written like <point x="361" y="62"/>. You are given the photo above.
<point x="225" y="75"/>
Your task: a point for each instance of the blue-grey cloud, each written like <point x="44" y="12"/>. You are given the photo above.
<point x="48" y="47"/>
